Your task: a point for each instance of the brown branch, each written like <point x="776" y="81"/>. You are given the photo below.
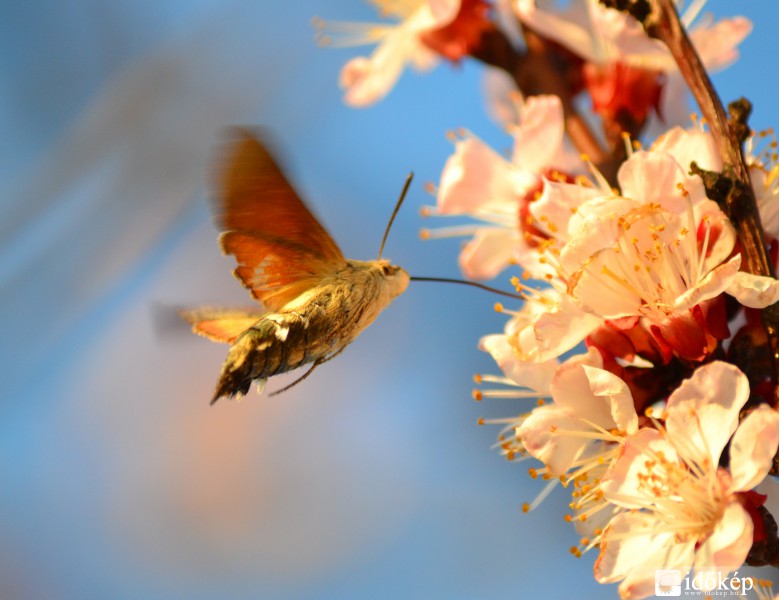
<point x="541" y="70"/>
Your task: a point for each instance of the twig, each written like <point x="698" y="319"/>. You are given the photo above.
<point x="537" y="72"/>
<point x="662" y="22"/>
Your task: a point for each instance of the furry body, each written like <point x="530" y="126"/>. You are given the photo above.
<point x="313" y="327"/>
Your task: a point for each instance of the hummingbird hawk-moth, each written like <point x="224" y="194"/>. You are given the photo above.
<point x="316" y="301"/>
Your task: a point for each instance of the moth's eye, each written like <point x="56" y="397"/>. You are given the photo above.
<point x="388" y="270"/>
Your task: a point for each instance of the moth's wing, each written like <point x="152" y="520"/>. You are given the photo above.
<point x="281" y="249"/>
<point x="220" y="324"/>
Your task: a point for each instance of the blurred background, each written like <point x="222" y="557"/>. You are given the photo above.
<point x="371" y="478"/>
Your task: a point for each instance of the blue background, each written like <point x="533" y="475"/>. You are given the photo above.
<point x="370" y="479"/>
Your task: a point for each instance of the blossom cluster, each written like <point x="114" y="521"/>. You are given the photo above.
<point x="639" y="324"/>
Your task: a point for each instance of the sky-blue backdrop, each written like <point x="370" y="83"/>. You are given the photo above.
<point x="369" y="480"/>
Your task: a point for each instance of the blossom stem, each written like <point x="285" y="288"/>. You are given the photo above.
<point x="535" y="73"/>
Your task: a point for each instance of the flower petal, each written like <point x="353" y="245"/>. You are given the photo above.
<point x="367" y="80"/>
<point x="718" y="280"/>
<point x="499" y="87"/>
<point x="728" y="545"/>
<point x="562" y="327"/>
<point x="703" y="412"/>
<point x="654" y="178"/>
<point x="753" y="448"/>
<point x="476" y="179"/>
<point x="616" y="392"/>
<point x="625" y="482"/>
<point x="488" y="253"/>
<point x="443" y="11"/>
<point x="766" y="195"/>
<point x="539" y="135"/>
<point x="754" y="291"/>
<point x="717" y="44"/>
<point x="570" y="390"/>
<point x="552" y="211"/>
<point x="543" y="435"/>
<point x="598" y="293"/>
<point x="536" y="376"/>
<point x="688" y="145"/>
<point x="722" y="234"/>
<point x="631" y="551"/>
<point x="571" y="27"/>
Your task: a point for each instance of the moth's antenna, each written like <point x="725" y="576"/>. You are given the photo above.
<point x="471" y="283"/>
<point x="395" y="212"/>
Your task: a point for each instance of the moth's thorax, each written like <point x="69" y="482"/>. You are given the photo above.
<point x="349" y="300"/>
<point x="391" y="280"/>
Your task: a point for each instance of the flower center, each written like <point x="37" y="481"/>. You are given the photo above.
<point x="657" y="257"/>
<point x="687" y="499"/>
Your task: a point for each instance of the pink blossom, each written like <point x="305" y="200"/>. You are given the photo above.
<point x="659" y="250"/>
<point x="623" y="66"/>
<point x="479" y="182"/>
<point x="685" y="511"/>
<point x="425" y="30"/>
<point x="590" y="407"/>
<point x="547" y="326"/>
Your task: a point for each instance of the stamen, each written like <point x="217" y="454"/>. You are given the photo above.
<point x="511" y="394"/>
<point x="693" y="10"/>
<point x="445" y="232"/>
<point x="628" y="146"/>
<point x="541" y="496"/>
<point x="344" y="34"/>
<point x="502" y="379"/>
<point x="600" y="180"/>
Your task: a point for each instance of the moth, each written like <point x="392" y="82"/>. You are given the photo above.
<point x="316" y="301"/>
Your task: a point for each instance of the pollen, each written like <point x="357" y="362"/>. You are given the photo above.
<point x="583" y="181"/>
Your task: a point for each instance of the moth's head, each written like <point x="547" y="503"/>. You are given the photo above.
<point x="395" y="277"/>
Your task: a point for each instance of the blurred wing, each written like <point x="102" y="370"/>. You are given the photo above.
<point x="220" y="324"/>
<point x="281" y="248"/>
